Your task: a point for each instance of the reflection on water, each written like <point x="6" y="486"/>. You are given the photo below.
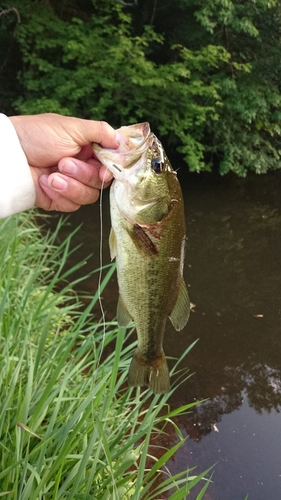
<point x="232" y="271"/>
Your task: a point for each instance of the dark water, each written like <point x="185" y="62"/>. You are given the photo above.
<point x="233" y="274"/>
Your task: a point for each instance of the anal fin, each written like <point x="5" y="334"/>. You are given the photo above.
<point x="180" y="314"/>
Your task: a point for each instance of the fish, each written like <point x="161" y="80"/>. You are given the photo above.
<point x="147" y="239"/>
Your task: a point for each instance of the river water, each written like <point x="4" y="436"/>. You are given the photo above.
<point x="233" y="275"/>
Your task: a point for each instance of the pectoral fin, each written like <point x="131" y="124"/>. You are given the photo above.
<point x="142" y="241"/>
<point x="112" y="244"/>
<point x="123" y="316"/>
<point x="180" y="314"/>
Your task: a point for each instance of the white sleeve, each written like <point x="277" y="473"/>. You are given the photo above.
<point x="17" y="190"/>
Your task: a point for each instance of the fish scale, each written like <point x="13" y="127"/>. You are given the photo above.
<point x="148" y="241"/>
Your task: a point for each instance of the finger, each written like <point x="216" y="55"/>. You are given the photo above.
<point x="98" y="131"/>
<point x="54" y="200"/>
<point x="105" y="175"/>
<point x="85" y="153"/>
<point x="70" y="189"/>
<point x="87" y="173"/>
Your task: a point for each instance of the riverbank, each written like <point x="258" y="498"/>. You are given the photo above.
<point x="69" y="426"/>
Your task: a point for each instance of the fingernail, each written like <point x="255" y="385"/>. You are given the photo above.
<point x="58" y="183"/>
<point x="122" y="140"/>
<point x="118" y="137"/>
<point x="69" y="167"/>
<point x="44" y="180"/>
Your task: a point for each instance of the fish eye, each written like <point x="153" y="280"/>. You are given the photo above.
<point x="156" y="165"/>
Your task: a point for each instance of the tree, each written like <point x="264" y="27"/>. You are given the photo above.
<point x="198" y="71"/>
<point x="247" y="135"/>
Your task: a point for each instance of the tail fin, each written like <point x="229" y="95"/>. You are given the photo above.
<point x="153" y="373"/>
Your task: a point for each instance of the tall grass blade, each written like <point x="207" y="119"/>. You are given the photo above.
<point x="70" y="428"/>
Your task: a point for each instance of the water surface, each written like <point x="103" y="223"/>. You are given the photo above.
<point x="233" y="275"/>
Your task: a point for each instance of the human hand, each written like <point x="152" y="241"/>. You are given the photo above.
<point x="58" y="149"/>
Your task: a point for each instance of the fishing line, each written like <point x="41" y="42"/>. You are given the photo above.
<point x="100" y="269"/>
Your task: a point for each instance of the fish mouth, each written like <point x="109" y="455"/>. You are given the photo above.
<point x="133" y="137"/>
<point x="134" y="141"/>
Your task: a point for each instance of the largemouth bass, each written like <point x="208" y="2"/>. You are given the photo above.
<point x="148" y="241"/>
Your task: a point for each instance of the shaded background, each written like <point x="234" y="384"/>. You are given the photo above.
<point x="232" y="271"/>
<point x="205" y="74"/>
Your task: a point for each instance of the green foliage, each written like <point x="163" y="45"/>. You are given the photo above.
<point x="247" y="136"/>
<point x="239" y="16"/>
<point x="69" y="426"/>
<point x="205" y="74"/>
<point x="98" y="69"/>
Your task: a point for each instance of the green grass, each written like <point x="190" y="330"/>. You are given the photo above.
<point x="70" y="428"/>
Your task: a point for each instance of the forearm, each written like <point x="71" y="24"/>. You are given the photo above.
<point x="17" y="190"/>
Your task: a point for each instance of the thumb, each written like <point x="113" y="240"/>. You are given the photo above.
<point x="97" y="131"/>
